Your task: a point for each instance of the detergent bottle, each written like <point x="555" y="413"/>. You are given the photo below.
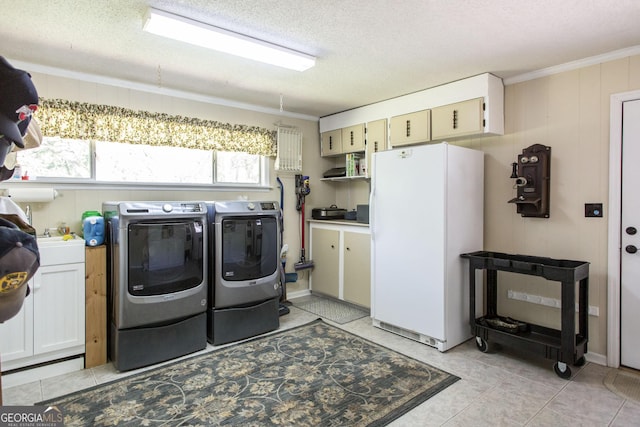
<point x="93" y="228"/>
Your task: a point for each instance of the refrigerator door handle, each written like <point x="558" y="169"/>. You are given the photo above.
<point x="371" y="199"/>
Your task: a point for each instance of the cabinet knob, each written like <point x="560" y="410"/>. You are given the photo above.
<point x="631" y="249"/>
<point x="332" y="247"/>
<point x="348" y="248"/>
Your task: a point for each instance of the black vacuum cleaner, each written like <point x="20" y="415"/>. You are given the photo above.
<point x="302" y="190"/>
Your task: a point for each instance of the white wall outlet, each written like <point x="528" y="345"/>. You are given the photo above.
<point x="535" y="299"/>
<point x="549" y="302"/>
<point x="546" y="301"/>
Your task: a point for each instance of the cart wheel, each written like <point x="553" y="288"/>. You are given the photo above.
<point x="482" y="345"/>
<point x="562" y="370"/>
<point x="580" y="362"/>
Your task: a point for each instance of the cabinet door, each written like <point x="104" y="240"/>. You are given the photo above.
<point x="357" y="268"/>
<point x="459" y="119"/>
<point x="16" y="334"/>
<point x="411" y="128"/>
<point x="331" y="143"/>
<point x="58" y="316"/>
<point x="325" y="254"/>
<point x="376" y="141"/>
<point x="353" y="139"/>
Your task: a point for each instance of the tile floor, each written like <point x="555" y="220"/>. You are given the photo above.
<point x="499" y="388"/>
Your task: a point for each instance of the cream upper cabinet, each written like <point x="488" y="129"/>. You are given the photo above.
<point x="348" y="142"/>
<point x="331" y="143"/>
<point x="411" y="128"/>
<point x="451" y="97"/>
<point x="353" y="139"/>
<point x="459" y="119"/>
<point x="376" y="137"/>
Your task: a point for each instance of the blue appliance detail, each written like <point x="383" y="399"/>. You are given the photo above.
<point x="93" y="229"/>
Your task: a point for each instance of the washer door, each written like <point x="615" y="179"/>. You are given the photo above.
<point x="165" y="256"/>
<point x="246" y="257"/>
<point x="249" y="248"/>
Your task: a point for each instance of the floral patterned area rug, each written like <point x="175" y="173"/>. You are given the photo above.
<point x="312" y="375"/>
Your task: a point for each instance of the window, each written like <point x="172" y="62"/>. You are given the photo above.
<point x="117" y="162"/>
<point x="237" y="168"/>
<point x="57" y="158"/>
<point x="164" y="149"/>
<point x="69" y="159"/>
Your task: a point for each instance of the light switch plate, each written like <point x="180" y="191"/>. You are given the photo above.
<point x="593" y="210"/>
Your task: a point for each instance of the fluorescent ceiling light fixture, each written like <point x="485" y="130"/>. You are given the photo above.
<point x="189" y="31"/>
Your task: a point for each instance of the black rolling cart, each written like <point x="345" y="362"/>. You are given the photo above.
<point x="565" y="346"/>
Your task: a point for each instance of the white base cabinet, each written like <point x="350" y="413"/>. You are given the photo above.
<point x="51" y="323"/>
<point x="341" y="254"/>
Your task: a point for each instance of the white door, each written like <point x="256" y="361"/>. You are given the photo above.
<point x="59" y="299"/>
<point x="630" y="259"/>
<point x="16" y="334"/>
<point x="408" y="239"/>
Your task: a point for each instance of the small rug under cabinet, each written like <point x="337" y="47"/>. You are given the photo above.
<point x="330" y="309"/>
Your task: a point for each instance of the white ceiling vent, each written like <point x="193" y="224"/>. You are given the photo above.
<point x="289" y="156"/>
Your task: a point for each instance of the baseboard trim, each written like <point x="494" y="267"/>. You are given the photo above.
<point x="599" y="359"/>
<point x="41" y="372"/>
<point x="298" y="294"/>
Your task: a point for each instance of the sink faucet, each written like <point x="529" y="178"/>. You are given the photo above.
<point x="28" y="214"/>
<point x="47" y="232"/>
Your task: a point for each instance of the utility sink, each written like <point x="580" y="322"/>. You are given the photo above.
<point x="55" y="250"/>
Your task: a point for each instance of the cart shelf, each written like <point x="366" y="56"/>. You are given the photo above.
<point x="565" y="346"/>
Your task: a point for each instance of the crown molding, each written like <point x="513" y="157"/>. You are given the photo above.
<point x="142" y="87"/>
<point x="574" y="65"/>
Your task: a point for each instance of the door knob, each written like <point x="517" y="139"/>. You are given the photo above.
<point x="631" y="249"/>
<point x="631" y="230"/>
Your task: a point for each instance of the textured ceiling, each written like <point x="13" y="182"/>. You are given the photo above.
<point x="367" y="50"/>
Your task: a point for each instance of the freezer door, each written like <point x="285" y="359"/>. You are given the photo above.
<point x="407" y="221"/>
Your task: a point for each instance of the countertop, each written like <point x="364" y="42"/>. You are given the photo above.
<point x="338" y="221"/>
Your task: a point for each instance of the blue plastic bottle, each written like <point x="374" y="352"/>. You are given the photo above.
<point x="93" y="230"/>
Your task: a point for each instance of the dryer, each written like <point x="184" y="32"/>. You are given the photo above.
<point x="245" y="238"/>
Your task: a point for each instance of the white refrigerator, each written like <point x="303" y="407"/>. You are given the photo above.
<point x="426" y="209"/>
